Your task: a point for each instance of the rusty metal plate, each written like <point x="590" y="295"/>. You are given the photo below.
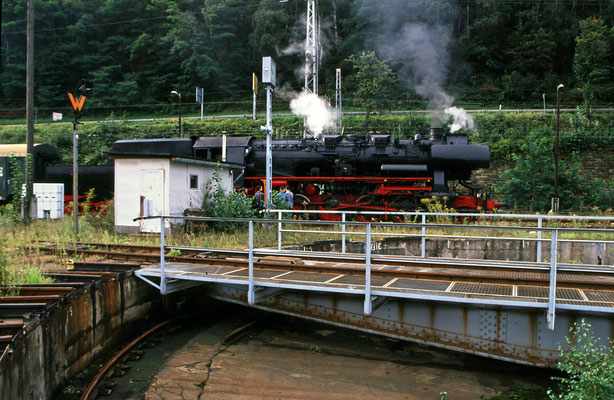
<point x="506" y="298"/>
<point x="533" y="291"/>
<point x="481" y="288"/>
<point x="543" y="293"/>
<point x="568" y="294"/>
<point x="190" y="269"/>
<point x="260" y="273"/>
<point x="360" y="280"/>
<point x="600" y="295"/>
<point x="587" y="278"/>
<point x="420" y="284"/>
<point x="307" y="277"/>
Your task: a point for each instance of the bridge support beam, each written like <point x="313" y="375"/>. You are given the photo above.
<point x="507" y="333"/>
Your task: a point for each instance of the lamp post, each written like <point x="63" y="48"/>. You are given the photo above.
<point x="178" y="94"/>
<point x="555" y="199"/>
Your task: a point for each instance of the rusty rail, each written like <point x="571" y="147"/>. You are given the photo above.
<point x="108" y="367"/>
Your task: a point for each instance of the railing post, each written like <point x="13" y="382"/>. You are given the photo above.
<point x="343" y="232"/>
<point x="279" y="229"/>
<point x="423" y="241"/>
<point x="250" y="290"/>
<point x="539" y="239"/>
<point x="162" y="260"/>
<point x="368" y="271"/>
<point x="552" y="289"/>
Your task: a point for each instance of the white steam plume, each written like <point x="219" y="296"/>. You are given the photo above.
<point x="421" y="53"/>
<point x="416" y="39"/>
<point x="462" y="120"/>
<point x="296" y="45"/>
<point x="318" y="113"/>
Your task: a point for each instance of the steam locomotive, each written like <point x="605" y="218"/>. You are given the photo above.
<point x="360" y="172"/>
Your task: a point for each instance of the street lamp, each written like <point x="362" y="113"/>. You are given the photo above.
<point x="178" y="94"/>
<point x="555" y="199"/>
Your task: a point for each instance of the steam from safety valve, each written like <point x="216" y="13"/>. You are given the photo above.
<point x="462" y="120"/>
<point x="317" y="112"/>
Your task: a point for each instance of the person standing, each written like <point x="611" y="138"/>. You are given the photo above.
<point x="289" y="196"/>
<point x="258" y="200"/>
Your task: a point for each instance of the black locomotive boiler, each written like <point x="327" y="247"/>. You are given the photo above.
<point x="359" y="172"/>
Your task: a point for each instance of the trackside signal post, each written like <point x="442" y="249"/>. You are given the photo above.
<point x="200" y="98"/>
<point x="77" y="107"/>
<point x="269" y="79"/>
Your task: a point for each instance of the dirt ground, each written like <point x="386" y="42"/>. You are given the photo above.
<point x="303" y="360"/>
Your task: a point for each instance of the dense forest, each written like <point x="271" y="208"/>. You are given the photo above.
<point x="473" y="52"/>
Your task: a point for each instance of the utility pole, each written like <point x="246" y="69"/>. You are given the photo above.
<point x="254" y="93"/>
<point x="338" y="108"/>
<point x="269" y="79"/>
<point x="555" y="199"/>
<point x="29" y="164"/>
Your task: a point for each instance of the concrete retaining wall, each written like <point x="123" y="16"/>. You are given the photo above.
<point x="480" y="249"/>
<point x="56" y="345"/>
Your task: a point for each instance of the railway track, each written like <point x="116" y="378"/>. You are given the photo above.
<point x="94" y="387"/>
<point x="32" y="302"/>
<point x="479" y="271"/>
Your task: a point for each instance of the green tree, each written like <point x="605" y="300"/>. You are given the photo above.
<point x="530" y="183"/>
<point x="374" y="81"/>
<point x="271" y="24"/>
<point x="591" y="62"/>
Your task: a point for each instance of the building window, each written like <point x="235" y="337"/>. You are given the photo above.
<point x="193" y="181"/>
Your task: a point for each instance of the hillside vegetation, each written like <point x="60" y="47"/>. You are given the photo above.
<point x="474" y="53"/>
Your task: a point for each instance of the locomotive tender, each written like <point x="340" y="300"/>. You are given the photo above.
<point x="360" y="172"/>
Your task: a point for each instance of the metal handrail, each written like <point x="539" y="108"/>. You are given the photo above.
<point x="368" y="306"/>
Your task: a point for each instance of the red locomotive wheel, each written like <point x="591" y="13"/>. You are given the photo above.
<point x="397" y="218"/>
<point x="369" y="217"/>
<point x="330" y="203"/>
<point x="362" y="204"/>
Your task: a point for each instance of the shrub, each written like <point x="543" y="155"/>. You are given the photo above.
<point x="587" y="365"/>
<point x="219" y="203"/>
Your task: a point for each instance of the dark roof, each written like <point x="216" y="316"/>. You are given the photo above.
<point x="216" y="141"/>
<point x="152" y="148"/>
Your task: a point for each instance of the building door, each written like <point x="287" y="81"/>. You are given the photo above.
<point x="152" y="199"/>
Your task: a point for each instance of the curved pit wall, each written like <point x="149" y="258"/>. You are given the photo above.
<point x="56" y="345"/>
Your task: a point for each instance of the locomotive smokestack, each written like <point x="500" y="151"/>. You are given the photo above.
<point x="436" y="133"/>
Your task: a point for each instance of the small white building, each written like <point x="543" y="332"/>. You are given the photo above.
<point x="160" y="177"/>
